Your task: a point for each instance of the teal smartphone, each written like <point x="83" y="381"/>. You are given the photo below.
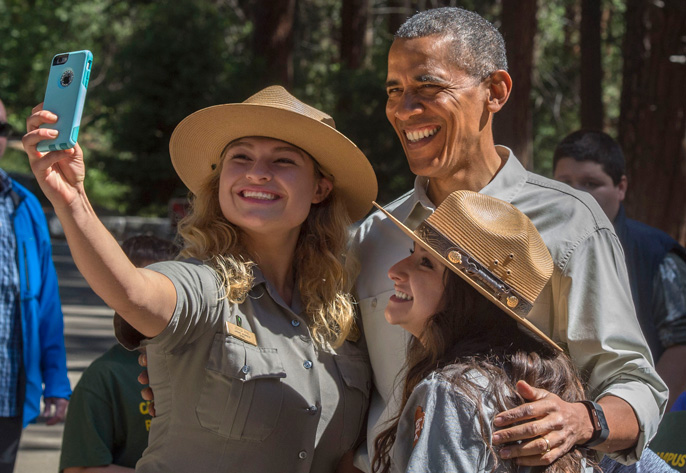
<point x="65" y="96"/>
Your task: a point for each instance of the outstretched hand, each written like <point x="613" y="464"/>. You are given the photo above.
<point x="546" y="427"/>
<point x="60" y="174"/>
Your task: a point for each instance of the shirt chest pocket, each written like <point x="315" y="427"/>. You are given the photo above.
<point x="242" y="392"/>
<point x="356" y="375"/>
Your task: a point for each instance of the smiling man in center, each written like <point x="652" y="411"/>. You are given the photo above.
<point x="447" y="77"/>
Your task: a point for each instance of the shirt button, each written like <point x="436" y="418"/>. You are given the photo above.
<point x="307" y="364"/>
<point x="312" y="410"/>
<point x="245" y="369"/>
<point x="302" y="455"/>
<point x="374" y="303"/>
<point x="295" y="323"/>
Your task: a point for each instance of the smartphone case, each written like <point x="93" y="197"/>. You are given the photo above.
<point x="65" y="96"/>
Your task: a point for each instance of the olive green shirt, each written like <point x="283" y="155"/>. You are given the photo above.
<point x="224" y="405"/>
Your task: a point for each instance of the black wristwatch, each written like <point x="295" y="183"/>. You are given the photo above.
<point x="600" y="428"/>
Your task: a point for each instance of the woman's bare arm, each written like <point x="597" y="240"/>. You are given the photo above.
<point x="144" y="298"/>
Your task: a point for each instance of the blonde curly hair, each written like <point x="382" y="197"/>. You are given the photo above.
<point x="320" y="269"/>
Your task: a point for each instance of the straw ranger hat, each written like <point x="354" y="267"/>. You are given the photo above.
<point x="491" y="245"/>
<point x="198" y="141"/>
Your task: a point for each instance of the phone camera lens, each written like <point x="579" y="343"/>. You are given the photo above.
<point x="67" y="78"/>
<point x="60" y="59"/>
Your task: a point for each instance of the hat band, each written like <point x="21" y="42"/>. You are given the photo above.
<point x="459" y="258"/>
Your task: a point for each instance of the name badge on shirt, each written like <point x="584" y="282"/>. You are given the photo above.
<point x="240" y="333"/>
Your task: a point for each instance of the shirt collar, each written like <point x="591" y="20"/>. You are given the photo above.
<point x="421" y="206"/>
<point x="259" y="279"/>
<point x="505" y="185"/>
<point x="508" y="182"/>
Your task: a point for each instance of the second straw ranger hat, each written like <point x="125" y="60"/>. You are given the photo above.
<point x="198" y="141"/>
<point x="491" y="245"/>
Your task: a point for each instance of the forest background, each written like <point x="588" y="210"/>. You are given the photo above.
<point x="615" y="65"/>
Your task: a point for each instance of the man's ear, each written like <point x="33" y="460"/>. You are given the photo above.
<point x="499" y="87"/>
<point x="622" y="187"/>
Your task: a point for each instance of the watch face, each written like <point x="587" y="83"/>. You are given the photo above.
<point x="595" y="420"/>
<point x="600" y="428"/>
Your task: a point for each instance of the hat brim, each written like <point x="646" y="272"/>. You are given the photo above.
<point x="469" y="280"/>
<point x="199" y="140"/>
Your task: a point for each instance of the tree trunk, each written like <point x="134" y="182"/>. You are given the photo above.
<point x="273" y="39"/>
<point x="400" y="10"/>
<point x="512" y="125"/>
<point x="592" y="115"/>
<point x="354" y="16"/>
<point x="569" y="25"/>
<point x="652" y="123"/>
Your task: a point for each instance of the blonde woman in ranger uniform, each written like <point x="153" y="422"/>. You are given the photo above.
<point x="250" y="339"/>
<point x="477" y="267"/>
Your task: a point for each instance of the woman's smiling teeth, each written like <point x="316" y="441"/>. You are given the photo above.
<point x="401" y="295"/>
<point x="414" y="136"/>
<point x="258" y="195"/>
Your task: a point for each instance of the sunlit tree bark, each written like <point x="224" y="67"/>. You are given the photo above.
<point x="652" y="124"/>
<point x="512" y="126"/>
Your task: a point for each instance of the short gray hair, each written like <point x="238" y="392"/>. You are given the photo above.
<point x="478" y="48"/>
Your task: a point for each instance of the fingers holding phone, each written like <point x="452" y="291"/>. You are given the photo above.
<point x="60" y="174"/>
<point x="65" y="96"/>
<point x="52" y="129"/>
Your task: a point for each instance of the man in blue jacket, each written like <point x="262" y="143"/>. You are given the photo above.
<point x="32" y="356"/>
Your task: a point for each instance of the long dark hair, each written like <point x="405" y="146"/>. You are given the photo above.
<point x="471" y="333"/>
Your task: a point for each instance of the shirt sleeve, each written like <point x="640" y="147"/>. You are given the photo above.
<point x="197" y="300"/>
<point x="669" y="301"/>
<point x="439" y="432"/>
<point x="604" y="337"/>
<point x="53" y="353"/>
<point x="650" y="462"/>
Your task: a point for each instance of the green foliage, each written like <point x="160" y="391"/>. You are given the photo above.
<point x="15" y="161"/>
<point x="555" y="92"/>
<point x="355" y="98"/>
<point x="156" y="62"/>
<point x="555" y="81"/>
<point x="613" y="33"/>
<point x="177" y="59"/>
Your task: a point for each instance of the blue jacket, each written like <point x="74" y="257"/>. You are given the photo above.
<point x="645" y="248"/>
<point x="45" y="358"/>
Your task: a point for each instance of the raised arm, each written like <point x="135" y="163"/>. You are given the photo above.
<point x="144" y="298"/>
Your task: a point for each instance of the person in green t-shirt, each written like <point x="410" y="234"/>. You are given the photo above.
<point x="107" y="422"/>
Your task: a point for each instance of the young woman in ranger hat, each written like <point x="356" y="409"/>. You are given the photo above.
<point x="476" y="259"/>
<point x="250" y="338"/>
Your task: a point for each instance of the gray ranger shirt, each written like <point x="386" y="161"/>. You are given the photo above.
<point x="224" y="405"/>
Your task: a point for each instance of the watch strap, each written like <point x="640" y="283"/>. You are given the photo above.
<point x="600" y="429"/>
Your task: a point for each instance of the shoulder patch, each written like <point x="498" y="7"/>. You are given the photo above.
<point x="418" y="424"/>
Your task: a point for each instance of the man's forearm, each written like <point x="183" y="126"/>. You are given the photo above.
<point x="622" y="422"/>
